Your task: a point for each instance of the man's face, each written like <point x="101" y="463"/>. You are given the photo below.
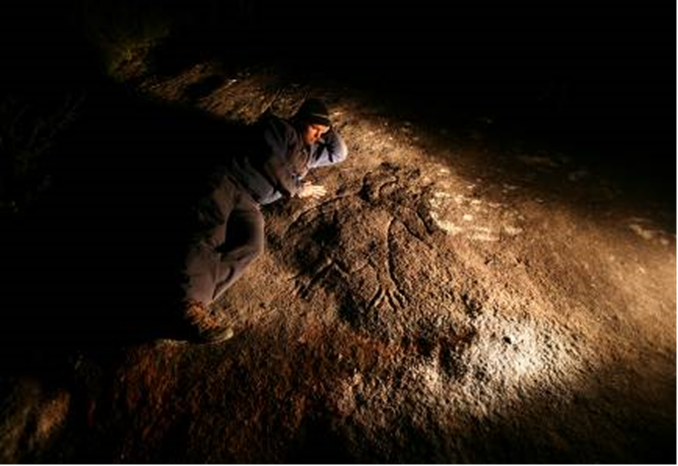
<point x="313" y="133"/>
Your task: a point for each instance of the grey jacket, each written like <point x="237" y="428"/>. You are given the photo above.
<point x="277" y="160"/>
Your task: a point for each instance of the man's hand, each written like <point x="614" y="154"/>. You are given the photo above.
<point x="314" y="191"/>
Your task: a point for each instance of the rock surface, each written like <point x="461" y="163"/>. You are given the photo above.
<point x="452" y="299"/>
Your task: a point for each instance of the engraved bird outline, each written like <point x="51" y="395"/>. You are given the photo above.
<point x="348" y="246"/>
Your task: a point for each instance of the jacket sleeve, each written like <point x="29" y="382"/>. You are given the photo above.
<point x="279" y="140"/>
<point x="329" y="151"/>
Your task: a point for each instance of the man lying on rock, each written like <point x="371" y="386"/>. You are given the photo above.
<point x="229" y="231"/>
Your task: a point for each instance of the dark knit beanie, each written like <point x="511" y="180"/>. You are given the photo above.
<point x="313" y="111"/>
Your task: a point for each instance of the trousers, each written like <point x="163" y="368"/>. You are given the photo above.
<point x="228" y="235"/>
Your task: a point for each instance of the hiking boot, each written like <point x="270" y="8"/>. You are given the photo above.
<point x="207" y="327"/>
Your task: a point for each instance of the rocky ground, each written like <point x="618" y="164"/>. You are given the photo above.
<point x="456" y="297"/>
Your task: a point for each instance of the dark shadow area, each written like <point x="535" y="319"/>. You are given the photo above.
<point x="319" y="443"/>
<point x="98" y="255"/>
<point x="91" y="263"/>
<point x="204" y="87"/>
